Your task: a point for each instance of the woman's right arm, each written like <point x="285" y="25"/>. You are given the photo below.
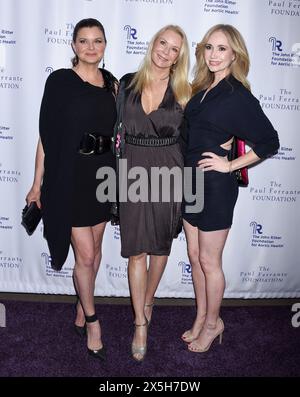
<point x="35" y="191"/>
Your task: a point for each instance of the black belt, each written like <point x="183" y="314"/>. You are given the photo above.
<point x="153" y="141"/>
<point x="94" y="144"/>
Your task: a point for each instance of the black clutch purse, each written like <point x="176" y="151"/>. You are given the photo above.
<point x="31" y="216"/>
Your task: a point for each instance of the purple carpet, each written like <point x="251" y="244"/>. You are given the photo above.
<point x="39" y="341"/>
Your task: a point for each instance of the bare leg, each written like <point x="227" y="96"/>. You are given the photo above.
<point x="191" y="234"/>
<point x="211" y="249"/>
<point x="157" y="266"/>
<point x="137" y="276"/>
<point x="84" y="276"/>
<point x="98" y="232"/>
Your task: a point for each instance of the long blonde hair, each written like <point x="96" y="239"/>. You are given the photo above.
<point x="239" y="68"/>
<point x="179" y="71"/>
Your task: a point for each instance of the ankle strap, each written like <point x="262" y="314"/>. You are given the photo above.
<point x="142" y="325"/>
<point x="149" y="304"/>
<point x="92" y="318"/>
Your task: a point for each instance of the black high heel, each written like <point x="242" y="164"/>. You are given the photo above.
<point x="99" y="353"/>
<point x="80" y="331"/>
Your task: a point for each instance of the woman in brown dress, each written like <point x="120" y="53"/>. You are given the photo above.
<point x="155" y="97"/>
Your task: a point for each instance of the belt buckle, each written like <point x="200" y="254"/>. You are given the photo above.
<point x="81" y="151"/>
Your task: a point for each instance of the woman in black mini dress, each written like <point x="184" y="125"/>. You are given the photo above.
<point x="77" y="117"/>
<point x="221" y="107"/>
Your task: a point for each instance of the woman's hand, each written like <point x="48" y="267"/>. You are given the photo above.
<point x="213" y="162"/>
<point x="34" y="195"/>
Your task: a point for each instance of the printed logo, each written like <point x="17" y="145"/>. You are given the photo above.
<point x="60" y="36"/>
<point x="186" y="272"/>
<point x="49" y="69"/>
<point x="116" y="232"/>
<point x="263" y="275"/>
<point x="284" y="153"/>
<point x="221" y="7"/>
<point x="9" y="176"/>
<point x="283" y="99"/>
<point x="6" y="37"/>
<point x="131" y="32"/>
<point x="117" y="271"/>
<point x="10" y="81"/>
<point x="257" y="229"/>
<point x="275" y="192"/>
<point x="65" y="272"/>
<point x="276" y="44"/>
<point x="134" y="46"/>
<point x="46" y="259"/>
<point x="289" y="8"/>
<point x="152" y="2"/>
<point x="5" y="223"/>
<point x="4" y="133"/>
<point x="259" y="239"/>
<point x="281" y="57"/>
<point x="10" y="262"/>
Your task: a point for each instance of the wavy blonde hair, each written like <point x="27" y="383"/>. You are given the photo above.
<point x="178" y="73"/>
<point x="239" y="68"/>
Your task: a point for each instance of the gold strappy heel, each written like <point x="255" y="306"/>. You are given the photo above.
<point x="149" y="305"/>
<point x="140" y="350"/>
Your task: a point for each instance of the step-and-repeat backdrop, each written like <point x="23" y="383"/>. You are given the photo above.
<point x="261" y="258"/>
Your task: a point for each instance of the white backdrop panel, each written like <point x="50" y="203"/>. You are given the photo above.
<point x="261" y="258"/>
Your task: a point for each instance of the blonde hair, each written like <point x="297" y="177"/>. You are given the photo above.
<point x="178" y="73"/>
<point x="239" y="68"/>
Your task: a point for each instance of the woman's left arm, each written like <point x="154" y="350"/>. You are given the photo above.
<point x="213" y="162"/>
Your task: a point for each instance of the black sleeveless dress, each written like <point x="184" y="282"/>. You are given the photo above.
<point x="150" y="227"/>
<point x="71" y="108"/>
<point x="98" y="114"/>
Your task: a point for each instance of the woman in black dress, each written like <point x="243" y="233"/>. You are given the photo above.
<point x="76" y="124"/>
<point x="222" y="106"/>
<point x="152" y="117"/>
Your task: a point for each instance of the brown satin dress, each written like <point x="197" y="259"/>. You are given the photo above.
<point x="149" y="227"/>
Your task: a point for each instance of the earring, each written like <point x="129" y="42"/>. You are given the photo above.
<point x="103" y="63"/>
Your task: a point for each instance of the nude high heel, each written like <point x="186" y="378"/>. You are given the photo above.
<point x="187" y="335"/>
<point x="141" y="350"/>
<point x="219" y="333"/>
<point x="149" y="305"/>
